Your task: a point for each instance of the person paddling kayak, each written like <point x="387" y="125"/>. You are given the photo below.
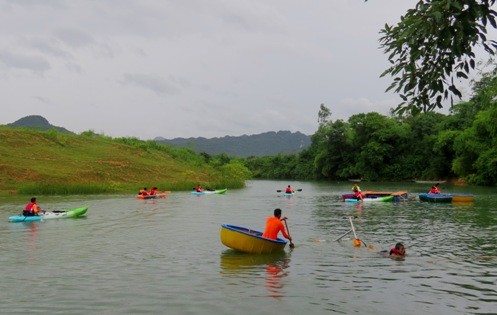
<point x="31" y="208"/>
<point x="289" y="190"/>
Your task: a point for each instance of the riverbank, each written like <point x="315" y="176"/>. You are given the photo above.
<point x="50" y="162"/>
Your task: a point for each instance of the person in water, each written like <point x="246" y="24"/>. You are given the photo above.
<point x="274" y="225"/>
<point x="153" y="191"/>
<point x="143" y="192"/>
<point x="198" y="188"/>
<point x="397" y="251"/>
<point x="289" y="190"/>
<point x="31" y="208"/>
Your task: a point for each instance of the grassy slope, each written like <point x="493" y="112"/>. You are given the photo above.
<point x="37" y="158"/>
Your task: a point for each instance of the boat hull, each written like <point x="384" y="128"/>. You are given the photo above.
<point x="73" y="213"/>
<point x="371" y="199"/>
<point x="161" y="195"/>
<point x="210" y="192"/>
<point x="397" y="195"/>
<point x="440" y="198"/>
<point x="456" y="198"/>
<point x="249" y="241"/>
<point x="463" y="198"/>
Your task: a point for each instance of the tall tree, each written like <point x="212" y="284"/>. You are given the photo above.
<point x="432" y="46"/>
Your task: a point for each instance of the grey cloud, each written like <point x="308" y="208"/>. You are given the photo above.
<point x="35" y="64"/>
<point x="151" y="82"/>
<point x="74" y="38"/>
<point x="47" y="46"/>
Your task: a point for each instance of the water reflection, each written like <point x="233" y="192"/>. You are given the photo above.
<point x="271" y="267"/>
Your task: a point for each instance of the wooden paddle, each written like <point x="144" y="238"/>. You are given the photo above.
<point x="357" y="242"/>
<point x="343" y="235"/>
<point x="288" y="231"/>
<point x="279" y="190"/>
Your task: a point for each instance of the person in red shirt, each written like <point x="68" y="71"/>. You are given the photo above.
<point x="357" y="193"/>
<point x="434" y="189"/>
<point x="289" y="190"/>
<point x="274" y="225"/>
<point x="31" y="208"/>
<point x="153" y="191"/>
<point x="143" y="192"/>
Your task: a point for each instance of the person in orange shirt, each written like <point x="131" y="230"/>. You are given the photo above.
<point x="31" y="208"/>
<point x="143" y="192"/>
<point x="153" y="191"/>
<point x="274" y="226"/>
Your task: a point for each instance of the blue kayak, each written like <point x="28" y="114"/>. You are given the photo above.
<point x="73" y="213"/>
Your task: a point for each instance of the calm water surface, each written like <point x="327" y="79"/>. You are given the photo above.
<point x="164" y="256"/>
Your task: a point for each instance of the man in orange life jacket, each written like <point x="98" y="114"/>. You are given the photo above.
<point x="274" y="226"/>
<point x="31" y="208"/>
<point x="153" y="191"/>
<point x="143" y="192"/>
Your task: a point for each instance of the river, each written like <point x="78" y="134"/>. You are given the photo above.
<point x="164" y="256"/>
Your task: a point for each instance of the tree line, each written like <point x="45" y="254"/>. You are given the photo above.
<point x="425" y="145"/>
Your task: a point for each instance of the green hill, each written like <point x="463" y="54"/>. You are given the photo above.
<point x="264" y="144"/>
<point x="36" y="122"/>
<point x="45" y="162"/>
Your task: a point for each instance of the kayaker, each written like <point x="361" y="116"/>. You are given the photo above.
<point x="289" y="190"/>
<point x="357" y="193"/>
<point x="356" y="188"/>
<point x="144" y="192"/>
<point x="274" y="226"/>
<point x="31" y="208"/>
<point x="198" y="188"/>
<point x="434" y="189"/>
<point x="153" y="191"/>
<point x="397" y="251"/>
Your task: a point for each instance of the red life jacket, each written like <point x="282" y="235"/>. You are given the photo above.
<point x="395" y="251"/>
<point x="29" y="206"/>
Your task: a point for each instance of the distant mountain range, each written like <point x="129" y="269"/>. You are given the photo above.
<point x="264" y="144"/>
<point x="36" y="122"/>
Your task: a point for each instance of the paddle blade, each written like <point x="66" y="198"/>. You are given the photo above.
<point x="278" y="191"/>
<point x="357" y="242"/>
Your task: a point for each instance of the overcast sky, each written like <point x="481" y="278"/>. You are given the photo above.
<point x="189" y="68"/>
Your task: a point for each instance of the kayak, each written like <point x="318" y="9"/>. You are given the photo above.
<point x="435" y="197"/>
<point x="463" y="198"/>
<point x="378" y="199"/>
<point x="161" y="195"/>
<point x="210" y="192"/>
<point x="397" y="195"/>
<point x="447" y="197"/>
<point x="249" y="241"/>
<point x="49" y="215"/>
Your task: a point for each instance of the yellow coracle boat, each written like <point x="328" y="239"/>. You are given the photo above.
<point x="249" y="241"/>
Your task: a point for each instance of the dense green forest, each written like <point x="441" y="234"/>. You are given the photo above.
<point x="427" y="145"/>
